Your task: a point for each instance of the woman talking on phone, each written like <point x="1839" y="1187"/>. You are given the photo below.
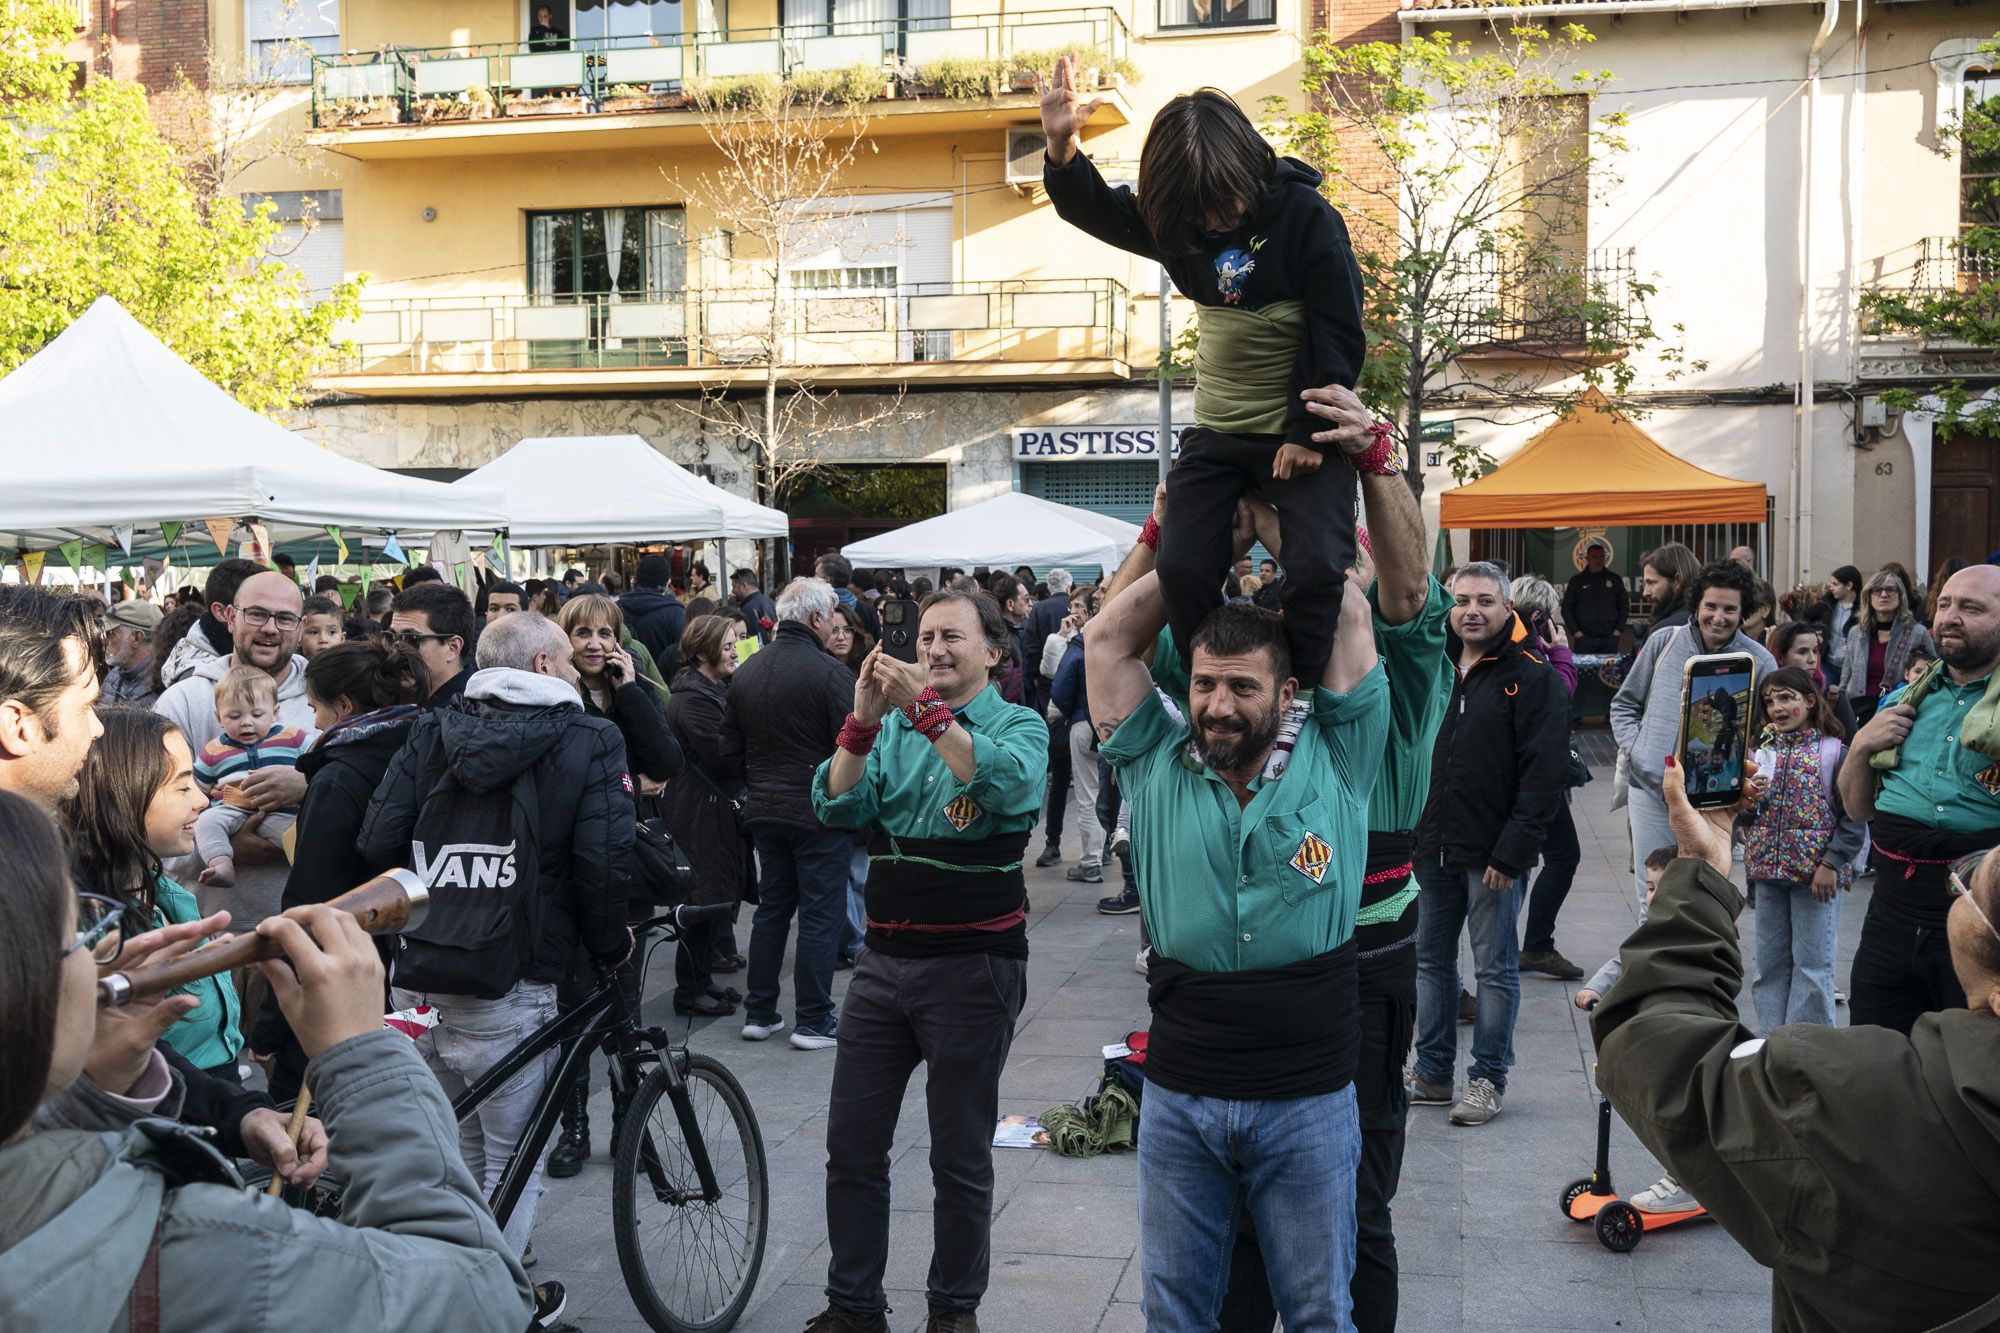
<point x="104" y="1224"/>
<point x="612" y="688"/>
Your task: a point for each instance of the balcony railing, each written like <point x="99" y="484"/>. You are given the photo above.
<point x="973" y="55"/>
<point x="1502" y="302"/>
<point x="1945" y="264"/>
<point x="730" y="328"/>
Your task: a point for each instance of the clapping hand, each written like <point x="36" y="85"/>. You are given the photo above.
<point x="900" y="682"/>
<point x="869" y="704"/>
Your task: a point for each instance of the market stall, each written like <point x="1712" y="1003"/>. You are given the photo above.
<point x="1008" y="530"/>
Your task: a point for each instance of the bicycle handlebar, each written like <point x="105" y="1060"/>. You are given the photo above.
<point x="688" y="914"/>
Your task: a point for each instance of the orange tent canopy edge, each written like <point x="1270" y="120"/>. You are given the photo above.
<point x="1595" y="468"/>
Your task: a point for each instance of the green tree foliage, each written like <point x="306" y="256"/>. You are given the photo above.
<point x="93" y="203"/>
<point x="1957" y="308"/>
<point x="1476" y="239"/>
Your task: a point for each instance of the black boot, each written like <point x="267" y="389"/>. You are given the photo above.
<point x="572" y="1150"/>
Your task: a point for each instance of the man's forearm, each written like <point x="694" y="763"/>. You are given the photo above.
<point x="1396" y="531"/>
<point x="1135" y="567"/>
<point x="845" y="772"/>
<point x="1857" y="785"/>
<point x="954" y="746"/>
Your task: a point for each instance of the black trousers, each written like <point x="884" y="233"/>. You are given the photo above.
<point x="1593" y="643"/>
<point x="1902" y="967"/>
<point x="1388" y="1022"/>
<point x="1561" y="855"/>
<point x="694" y="960"/>
<point x="1059" y="779"/>
<point x="955" y="1015"/>
<point x="1315" y="513"/>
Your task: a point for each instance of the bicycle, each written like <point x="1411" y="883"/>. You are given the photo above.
<point x="684" y="1172"/>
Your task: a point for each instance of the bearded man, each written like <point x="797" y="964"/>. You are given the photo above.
<point x="1249" y="885"/>
<point x="1498" y="770"/>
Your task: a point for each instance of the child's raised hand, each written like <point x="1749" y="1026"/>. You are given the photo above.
<point x="1295" y="460"/>
<point x="1063" y="112"/>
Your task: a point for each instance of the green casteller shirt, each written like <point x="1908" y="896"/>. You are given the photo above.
<point x="1420" y="678"/>
<point x="907" y="791"/>
<point x="1938" y="782"/>
<point x="1228" y="889"/>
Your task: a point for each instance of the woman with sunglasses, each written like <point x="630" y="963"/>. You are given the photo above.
<point x="133" y="808"/>
<point x="1857" y="1163"/>
<point x="102" y="1216"/>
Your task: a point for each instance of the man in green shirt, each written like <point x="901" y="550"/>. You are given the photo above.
<point x="1249" y="886"/>
<point x="950" y="777"/>
<point x="1928" y="782"/>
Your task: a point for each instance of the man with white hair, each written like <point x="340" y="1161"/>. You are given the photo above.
<point x="519" y="731"/>
<point x="786" y="707"/>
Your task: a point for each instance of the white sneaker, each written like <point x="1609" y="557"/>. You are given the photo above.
<point x="805" y="1039"/>
<point x="1666" y="1195"/>
<point x="1121" y="832"/>
<point x="754" y="1031"/>
<point x="1143" y="962"/>
<point x="1480" y="1104"/>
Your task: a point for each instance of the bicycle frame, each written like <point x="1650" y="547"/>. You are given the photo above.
<point x="598" y="1021"/>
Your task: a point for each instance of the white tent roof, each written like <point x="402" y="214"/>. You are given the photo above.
<point x="1008" y="530"/>
<point x="584" y="489"/>
<point x="105" y="427"/>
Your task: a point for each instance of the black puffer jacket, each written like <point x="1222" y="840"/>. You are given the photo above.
<point x="509" y="721"/>
<point x="786" y="706"/>
<point x="658" y="621"/>
<point x="697" y="804"/>
<point x="1500" y="762"/>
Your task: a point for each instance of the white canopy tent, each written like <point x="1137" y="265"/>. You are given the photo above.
<point x="588" y="490"/>
<point x="106" y="428"/>
<point x="1008" y="530"/>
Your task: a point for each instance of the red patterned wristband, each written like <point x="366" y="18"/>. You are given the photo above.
<point x="1380" y="459"/>
<point x="1149" y="536"/>
<point x="929" y="715"/>
<point x="856" y="736"/>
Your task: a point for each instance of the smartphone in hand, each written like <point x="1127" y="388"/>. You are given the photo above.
<point x="1718" y="717"/>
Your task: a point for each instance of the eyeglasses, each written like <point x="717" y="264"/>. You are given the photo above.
<point x="1962" y="871"/>
<point x="256" y="617"/>
<point x="99" y="927"/>
<point x="1885" y="592"/>
<point x="413" y="640"/>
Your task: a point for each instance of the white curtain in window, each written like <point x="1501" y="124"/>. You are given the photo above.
<point x="541" y="256"/>
<point x="666" y="252"/>
<point x="614" y="246"/>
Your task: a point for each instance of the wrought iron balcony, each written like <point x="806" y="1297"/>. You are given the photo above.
<point x="1946" y="264"/>
<point x="727" y="332"/>
<point x="956" y="57"/>
<point x="1501" y="303"/>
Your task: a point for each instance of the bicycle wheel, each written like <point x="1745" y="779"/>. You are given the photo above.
<point x="690" y="1262"/>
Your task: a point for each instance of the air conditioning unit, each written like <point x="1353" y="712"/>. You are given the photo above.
<point x="1024" y="156"/>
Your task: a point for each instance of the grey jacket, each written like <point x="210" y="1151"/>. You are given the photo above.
<point x="416" y="1249"/>
<point x="1646" y="711"/>
<point x="1904" y="638"/>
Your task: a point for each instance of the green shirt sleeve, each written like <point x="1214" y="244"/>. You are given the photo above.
<point x="1169" y="672"/>
<point x="1010" y="763"/>
<point x="1149" y="732"/>
<point x="1355" y="725"/>
<point x="857" y="807"/>
<point x="1413" y="654"/>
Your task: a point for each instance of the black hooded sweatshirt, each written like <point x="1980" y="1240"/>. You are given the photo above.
<point x="1292" y="247"/>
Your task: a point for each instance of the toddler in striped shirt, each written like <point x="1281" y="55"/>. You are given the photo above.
<point x="246" y="704"/>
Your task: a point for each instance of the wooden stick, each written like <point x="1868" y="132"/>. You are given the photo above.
<point x="293" y="1131"/>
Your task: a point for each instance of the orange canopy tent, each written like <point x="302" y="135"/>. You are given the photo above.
<point x="1594" y="468"/>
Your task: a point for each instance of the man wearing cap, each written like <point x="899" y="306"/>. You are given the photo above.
<point x="128" y="652"/>
<point x="1595" y="603"/>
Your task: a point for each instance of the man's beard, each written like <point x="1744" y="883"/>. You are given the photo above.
<point x="1970" y="651"/>
<point x="1230" y="751"/>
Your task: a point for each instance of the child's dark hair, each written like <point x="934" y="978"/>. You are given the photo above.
<point x="1660" y="858"/>
<point x="1202" y="157"/>
<point x="324" y="606"/>
<point x="1801" y="684"/>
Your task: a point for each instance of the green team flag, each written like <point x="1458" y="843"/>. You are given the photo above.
<point x="349" y="594"/>
<point x="333" y="531"/>
<point x="94" y="557"/>
<point x="72" y="553"/>
<point x="170" y="532"/>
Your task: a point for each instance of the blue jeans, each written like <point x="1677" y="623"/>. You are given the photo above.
<point x="1796" y="934"/>
<point x="1646" y="813"/>
<point x="1291" y="1162"/>
<point x="857" y="910"/>
<point x="802" y="872"/>
<point x="1450" y="901"/>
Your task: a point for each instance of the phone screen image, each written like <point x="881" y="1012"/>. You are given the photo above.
<point x="1715" y="730"/>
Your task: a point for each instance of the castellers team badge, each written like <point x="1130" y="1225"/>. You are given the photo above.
<point x="1990" y="780"/>
<point x="962" y="812"/>
<point x="1312" y="857"/>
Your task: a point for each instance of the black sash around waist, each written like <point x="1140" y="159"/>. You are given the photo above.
<point x="1260" y="1035"/>
<point x="1912" y="864"/>
<point x="928" y="897"/>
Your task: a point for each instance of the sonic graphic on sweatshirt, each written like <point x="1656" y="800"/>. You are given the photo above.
<point x="1232" y="267"/>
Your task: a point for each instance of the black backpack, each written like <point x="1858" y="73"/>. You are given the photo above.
<point x="479" y="853"/>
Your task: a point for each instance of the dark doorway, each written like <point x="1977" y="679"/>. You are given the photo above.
<point x="1965" y="497"/>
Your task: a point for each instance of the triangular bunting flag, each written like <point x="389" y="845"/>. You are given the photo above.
<point x="261" y="535"/>
<point x="122" y="534"/>
<point x="479" y="562"/>
<point x="393" y="550"/>
<point x="340" y="543"/>
<point x="312" y="573"/>
<point x="170" y="532"/>
<point x="153" y="567"/>
<point x="458" y="572"/>
<point x="125" y="577"/>
<point x="218" y="532"/>
<point x="72" y="553"/>
<point x="31" y="565"/>
<point x="349" y="594"/>
<point x="93" y="555"/>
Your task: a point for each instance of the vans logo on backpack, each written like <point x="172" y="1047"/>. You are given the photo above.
<point x="466" y="865"/>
